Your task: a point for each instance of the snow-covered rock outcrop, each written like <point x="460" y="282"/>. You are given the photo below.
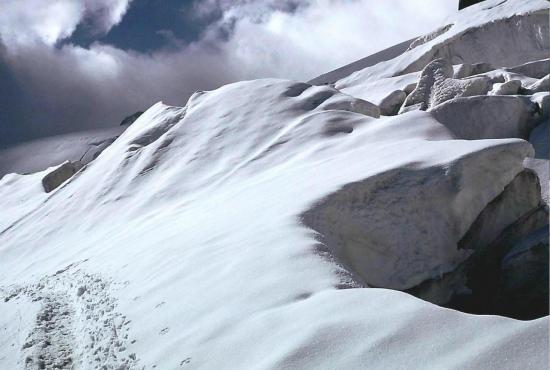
<point x="402" y="226"/>
<point x="488" y="117"/>
<point x="390" y="105"/>
<point x="437" y="85"/>
<point x="220" y="234"/>
<point x="40" y="154"/>
<point x="59" y="175"/>
<point x="511" y="87"/>
<point x="494" y="32"/>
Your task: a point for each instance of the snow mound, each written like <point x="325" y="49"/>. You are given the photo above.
<point x="488" y="117"/>
<point x="390" y="105"/>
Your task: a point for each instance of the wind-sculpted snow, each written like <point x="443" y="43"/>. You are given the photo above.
<point x="541" y="85"/>
<point x="466" y="70"/>
<point x="19" y="193"/>
<point x="535" y="69"/>
<point x="389" y="106"/>
<point x="494" y="32"/>
<point x="402" y="227"/>
<point x="437" y="86"/>
<point x="252" y="227"/>
<point x="218" y="221"/>
<point x="340" y="73"/>
<point x="488" y="117"/>
<point x="511" y="87"/>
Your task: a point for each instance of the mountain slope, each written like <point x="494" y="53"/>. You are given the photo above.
<point x="254" y="227"/>
<point x="501" y="33"/>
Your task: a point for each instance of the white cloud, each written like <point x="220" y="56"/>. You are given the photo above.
<point x="326" y="34"/>
<point x="28" y="21"/>
<point x="104" y="14"/>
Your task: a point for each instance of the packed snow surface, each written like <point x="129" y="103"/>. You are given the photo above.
<point x="211" y="236"/>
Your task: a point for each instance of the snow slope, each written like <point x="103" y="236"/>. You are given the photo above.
<point x="342" y="72"/>
<point x="210" y="237"/>
<point x="195" y="212"/>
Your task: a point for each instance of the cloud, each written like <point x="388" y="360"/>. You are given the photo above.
<point x="71" y="88"/>
<point x="257" y="9"/>
<point x="327" y="34"/>
<point x="29" y="21"/>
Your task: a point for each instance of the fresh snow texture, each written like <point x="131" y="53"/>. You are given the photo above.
<point x="193" y="226"/>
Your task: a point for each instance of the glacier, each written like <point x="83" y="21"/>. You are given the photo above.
<point x="275" y="224"/>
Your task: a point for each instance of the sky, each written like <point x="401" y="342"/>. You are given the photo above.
<point x="70" y="65"/>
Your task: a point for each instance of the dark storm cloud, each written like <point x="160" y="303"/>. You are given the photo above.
<point x="73" y="88"/>
<point x="80" y="64"/>
<point x="12" y="102"/>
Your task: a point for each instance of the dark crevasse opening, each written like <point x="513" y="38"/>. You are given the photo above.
<point x="507" y="275"/>
<point x="466" y="3"/>
<point x="511" y="277"/>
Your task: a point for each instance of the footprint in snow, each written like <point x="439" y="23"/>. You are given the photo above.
<point x="185" y="361"/>
<point x="164" y="331"/>
<point x="160" y="304"/>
